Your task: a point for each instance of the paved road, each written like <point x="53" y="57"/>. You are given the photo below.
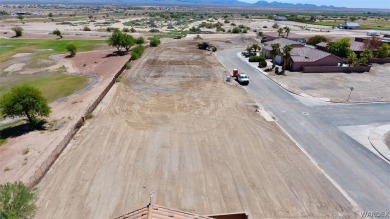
<point x="362" y="175"/>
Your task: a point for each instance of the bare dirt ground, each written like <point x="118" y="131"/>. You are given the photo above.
<point x="368" y="87"/>
<point x="174" y="126"/>
<point x="15" y="165"/>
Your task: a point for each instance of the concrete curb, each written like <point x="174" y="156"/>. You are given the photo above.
<point x="377" y="140"/>
<point x="303" y="94"/>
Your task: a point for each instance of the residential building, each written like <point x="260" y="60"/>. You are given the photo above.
<point x="266" y="50"/>
<point x="280" y="18"/>
<point x="306" y="56"/>
<point x="159" y="212"/>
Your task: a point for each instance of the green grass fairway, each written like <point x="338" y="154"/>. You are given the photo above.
<point x="56" y="85"/>
<point x="10" y="47"/>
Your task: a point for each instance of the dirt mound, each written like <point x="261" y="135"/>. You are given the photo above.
<point x="245" y="40"/>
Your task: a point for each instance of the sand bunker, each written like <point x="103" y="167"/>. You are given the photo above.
<point x="15" y="67"/>
<point x="21" y="54"/>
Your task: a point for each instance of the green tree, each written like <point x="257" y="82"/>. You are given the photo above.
<point x="16" y="201"/>
<point x="353" y="18"/>
<point x="72" y="49"/>
<point x="367" y="54"/>
<point x="314" y="40"/>
<point x="255" y="47"/>
<point x="351" y="58"/>
<point x="20" y="17"/>
<point x="383" y="51"/>
<point x="286" y="55"/>
<point x="274" y="52"/>
<point x="154" y="41"/>
<point x="50" y="15"/>
<point x="57" y="32"/>
<point x="340" y="47"/>
<point x="18" y="31"/>
<point x="127" y="41"/>
<point x="24" y="100"/>
<point x="280" y="31"/>
<point x="115" y="40"/>
<point x="287" y="30"/>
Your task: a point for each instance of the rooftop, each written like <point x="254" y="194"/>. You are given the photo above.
<point x="307" y="54"/>
<point x="159" y="212"/>
<point x="355" y="46"/>
<point x="281" y="41"/>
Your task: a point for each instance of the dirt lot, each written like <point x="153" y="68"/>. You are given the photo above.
<point x="173" y="126"/>
<point x="368" y="87"/>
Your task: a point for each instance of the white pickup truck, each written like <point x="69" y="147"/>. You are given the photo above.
<point x="242" y="78"/>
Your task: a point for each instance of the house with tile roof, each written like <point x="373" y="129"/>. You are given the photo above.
<point x="306" y="56"/>
<point x="266" y="50"/>
<point x="160" y="212"/>
<point x="356" y="47"/>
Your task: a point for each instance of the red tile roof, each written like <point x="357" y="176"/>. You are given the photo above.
<point x="158" y="212"/>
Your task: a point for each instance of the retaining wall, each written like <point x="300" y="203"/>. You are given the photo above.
<point x="335" y="69"/>
<point x="45" y="166"/>
<point x="379" y="60"/>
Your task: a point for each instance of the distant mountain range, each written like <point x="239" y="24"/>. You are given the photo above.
<point x="236" y="3"/>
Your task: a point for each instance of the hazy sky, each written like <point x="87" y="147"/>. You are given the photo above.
<point x="339" y="3"/>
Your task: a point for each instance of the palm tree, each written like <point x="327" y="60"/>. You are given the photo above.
<point x="287" y="30"/>
<point x="286" y="55"/>
<point x="274" y="52"/>
<point x="280" y="31"/>
<point x="351" y="58"/>
<point x="255" y="47"/>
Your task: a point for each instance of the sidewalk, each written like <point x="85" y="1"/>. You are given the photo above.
<point x="377" y="140"/>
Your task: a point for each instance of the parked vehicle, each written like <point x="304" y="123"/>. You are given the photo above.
<point x="242" y="78"/>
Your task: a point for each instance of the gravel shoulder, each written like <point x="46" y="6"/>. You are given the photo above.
<point x="174" y="126"/>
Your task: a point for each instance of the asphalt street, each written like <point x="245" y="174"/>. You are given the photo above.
<point x="364" y="176"/>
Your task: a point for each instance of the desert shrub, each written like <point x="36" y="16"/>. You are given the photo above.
<point x="125" y="29"/>
<point x="265" y="26"/>
<point x="17" y="201"/>
<point x="154" y="42"/>
<point x="128" y="65"/>
<point x="275" y="26"/>
<point x="137" y="52"/>
<point x="154" y="30"/>
<point x="236" y="30"/>
<point x="86" y="28"/>
<point x="139" y="40"/>
<point x="262" y="64"/>
<point x="254" y="59"/>
<point x="18" y="31"/>
<point x="316" y="39"/>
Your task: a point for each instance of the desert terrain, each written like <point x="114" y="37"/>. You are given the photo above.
<point x="174" y="126"/>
